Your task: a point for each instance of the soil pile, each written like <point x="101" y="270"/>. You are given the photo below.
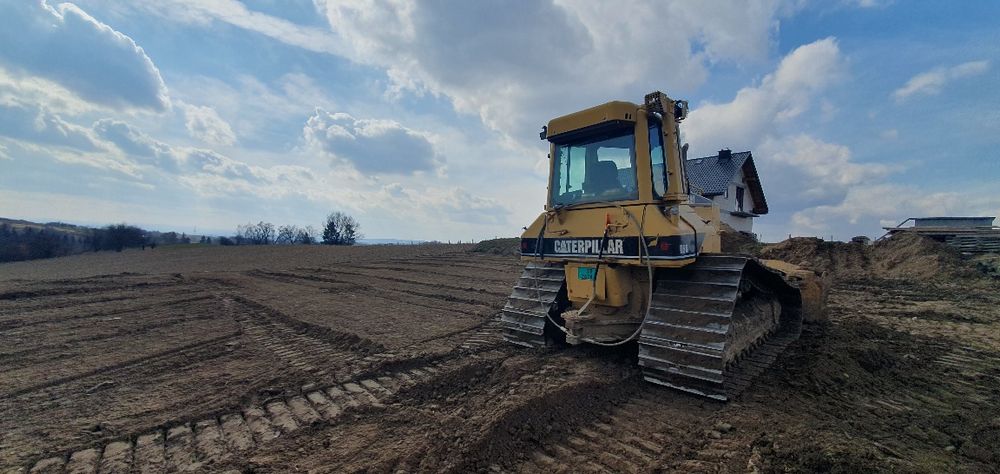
<point x="911" y="256"/>
<point x="734" y="241"/>
<point x="905" y="256"/>
<point x="838" y="259"/>
<point x="508" y="246"/>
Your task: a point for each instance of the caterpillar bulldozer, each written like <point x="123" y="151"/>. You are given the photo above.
<point x="625" y="251"/>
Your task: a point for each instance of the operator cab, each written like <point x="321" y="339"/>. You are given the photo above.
<point x="612" y="153"/>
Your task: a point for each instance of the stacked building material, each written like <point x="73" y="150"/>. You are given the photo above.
<point x="967" y="234"/>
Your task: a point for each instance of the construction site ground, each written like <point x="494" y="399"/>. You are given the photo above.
<point x="389" y="359"/>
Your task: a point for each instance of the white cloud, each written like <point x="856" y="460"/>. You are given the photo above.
<point x="3" y="152"/>
<point x="138" y="146"/>
<point x="511" y="64"/>
<point x="869" y="3"/>
<point x="757" y="111"/>
<point x="34" y="124"/>
<point x="202" y="12"/>
<point x="371" y="146"/>
<point x="890" y="134"/>
<point x="801" y="170"/>
<point x="41" y="92"/>
<point x="65" y="45"/>
<point x="204" y="123"/>
<point x="865" y="208"/>
<point x="933" y="81"/>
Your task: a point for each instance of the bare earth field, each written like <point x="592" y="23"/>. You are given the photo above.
<point x="389" y="359"/>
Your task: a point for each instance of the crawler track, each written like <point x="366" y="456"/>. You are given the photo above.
<point x="526" y="313"/>
<point x="692" y="323"/>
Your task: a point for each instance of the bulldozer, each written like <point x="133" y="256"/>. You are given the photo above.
<point x="626" y="252"/>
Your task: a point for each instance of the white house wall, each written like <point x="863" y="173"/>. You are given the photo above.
<point x="727" y="203"/>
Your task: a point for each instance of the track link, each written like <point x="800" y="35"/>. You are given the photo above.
<point x="692" y="317"/>
<point x="524" y="316"/>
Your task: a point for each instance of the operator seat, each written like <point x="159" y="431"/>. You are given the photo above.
<point x="602" y="178"/>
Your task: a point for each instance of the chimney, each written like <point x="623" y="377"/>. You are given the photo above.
<point x="725" y="154"/>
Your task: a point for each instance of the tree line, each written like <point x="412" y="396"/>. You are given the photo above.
<point x="34" y="241"/>
<point x="28" y="243"/>
<point x="338" y="229"/>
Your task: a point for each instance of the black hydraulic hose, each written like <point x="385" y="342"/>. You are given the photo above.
<point x="540" y="241"/>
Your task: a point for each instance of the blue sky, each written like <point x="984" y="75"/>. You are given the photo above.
<point x="421" y="118"/>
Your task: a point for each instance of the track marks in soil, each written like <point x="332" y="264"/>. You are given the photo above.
<point x="390" y="288"/>
<point x="211" y="443"/>
<point x="316" y="350"/>
<point x="23" y="323"/>
<point x="648" y="431"/>
<point x="107" y="371"/>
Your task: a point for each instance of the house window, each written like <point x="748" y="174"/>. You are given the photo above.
<point x="739" y="198"/>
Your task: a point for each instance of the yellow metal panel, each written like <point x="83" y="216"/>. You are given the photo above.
<point x="592" y="116"/>
<point x="614" y="284"/>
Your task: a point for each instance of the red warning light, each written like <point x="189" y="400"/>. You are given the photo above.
<point x="664" y="246"/>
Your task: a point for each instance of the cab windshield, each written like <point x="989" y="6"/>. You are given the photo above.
<point x="595" y="169"/>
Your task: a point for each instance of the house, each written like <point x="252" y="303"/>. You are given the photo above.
<point x="731" y="181"/>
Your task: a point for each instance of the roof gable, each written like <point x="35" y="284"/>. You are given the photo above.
<point x="710" y="176"/>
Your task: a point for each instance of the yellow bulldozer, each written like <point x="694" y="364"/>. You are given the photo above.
<point x="625" y="251"/>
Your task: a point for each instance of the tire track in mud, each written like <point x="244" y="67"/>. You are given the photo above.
<point x="212" y="442"/>
<point x="640" y="434"/>
<point x="127" y="332"/>
<point x="424" y="271"/>
<point x="348" y="284"/>
<point x="312" y="349"/>
<point x="21" y="323"/>
<point x="193" y="349"/>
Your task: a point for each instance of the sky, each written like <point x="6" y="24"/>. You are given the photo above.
<point x="421" y="118"/>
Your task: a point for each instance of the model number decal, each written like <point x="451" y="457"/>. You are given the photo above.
<point x="589" y="246"/>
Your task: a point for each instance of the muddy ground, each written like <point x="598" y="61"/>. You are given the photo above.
<point x="388" y="359"/>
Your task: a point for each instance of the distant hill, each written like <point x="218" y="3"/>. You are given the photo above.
<point x="59" y="227"/>
<point x="26" y="240"/>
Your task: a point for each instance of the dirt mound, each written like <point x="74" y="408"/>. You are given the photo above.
<point x="912" y="256"/>
<point x="834" y="258"/>
<point x="507" y="246"/>
<point x="734" y="241"/>
<point x="905" y="256"/>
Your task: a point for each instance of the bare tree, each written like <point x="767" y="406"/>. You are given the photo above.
<point x="306" y="235"/>
<point x="341" y="229"/>
<point x="261" y="233"/>
<point x="287" y="235"/>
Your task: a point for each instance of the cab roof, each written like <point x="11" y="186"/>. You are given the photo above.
<point x="604" y="115"/>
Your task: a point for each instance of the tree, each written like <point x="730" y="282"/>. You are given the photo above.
<point x="286" y="235"/>
<point x="119" y="236"/>
<point x="306" y="236"/>
<point x="341" y="229"/>
<point x="169" y="238"/>
<point x="261" y="233"/>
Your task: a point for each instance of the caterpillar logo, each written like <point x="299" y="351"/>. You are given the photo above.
<point x="589" y="246"/>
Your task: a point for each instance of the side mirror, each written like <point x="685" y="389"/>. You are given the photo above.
<point x="544" y="132"/>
